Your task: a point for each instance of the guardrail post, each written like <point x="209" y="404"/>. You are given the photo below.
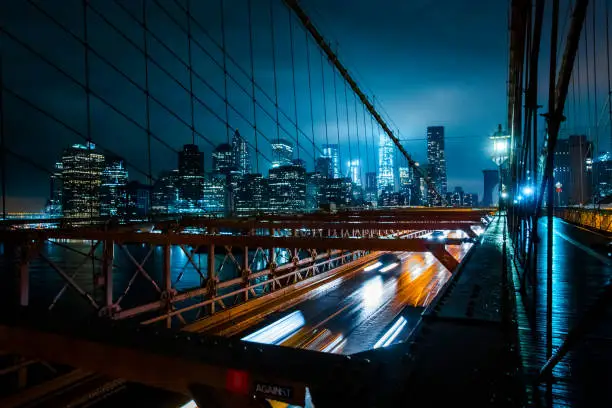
<point x="24" y="275"/>
<point x="167" y="280"/>
<point x="245" y="272"/>
<point x="212" y="276"/>
<point x="108" y="254"/>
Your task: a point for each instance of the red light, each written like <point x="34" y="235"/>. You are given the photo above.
<point x="237" y="381"/>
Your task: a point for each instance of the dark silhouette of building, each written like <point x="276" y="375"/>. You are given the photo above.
<point x="562" y="171"/>
<point x="287" y="189"/>
<point x="165" y="193"/>
<point x="223" y="159"/>
<point x="112" y="188"/>
<point x="491" y="179"/>
<point x="437" y="162"/>
<point x="191" y="174"/>
<point x="138" y="201"/>
<point x="580" y="158"/>
<point x="324" y="167"/>
<point x="241" y="155"/>
<point x="602" y="176"/>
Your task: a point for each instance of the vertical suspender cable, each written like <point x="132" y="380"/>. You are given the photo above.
<point x="365" y="134"/>
<point x="147" y="99"/>
<point x="324" y="98"/>
<point x="295" y="110"/>
<point x="358" y="143"/>
<point x="224" y="52"/>
<point x="594" y="21"/>
<point x="314" y="155"/>
<point x="254" y="100"/>
<point x="608" y="63"/>
<point x="588" y="82"/>
<point x="550" y="202"/>
<point x="2" y="136"/>
<point x="348" y="131"/>
<point x="337" y="128"/>
<point x="190" y="71"/>
<point x="273" y="40"/>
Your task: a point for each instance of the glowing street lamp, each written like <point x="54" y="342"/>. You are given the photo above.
<point x="527" y="191"/>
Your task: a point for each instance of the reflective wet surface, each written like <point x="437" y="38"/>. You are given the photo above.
<point x="581" y="268"/>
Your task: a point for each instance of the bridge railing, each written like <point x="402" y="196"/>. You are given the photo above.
<point x="597" y="219"/>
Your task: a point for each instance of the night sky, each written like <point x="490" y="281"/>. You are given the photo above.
<point x="426" y="62"/>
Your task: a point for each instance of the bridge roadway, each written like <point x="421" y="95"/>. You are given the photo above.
<point x="345" y="316"/>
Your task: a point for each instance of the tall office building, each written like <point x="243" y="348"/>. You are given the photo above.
<point x="214" y="195"/>
<point x="165" y="193"/>
<point x="332" y="152"/>
<point x="338" y="191"/>
<point x="354" y="172"/>
<point x="315" y="183"/>
<point x="437" y="162"/>
<point x="370" y="193"/>
<point x="287" y="189"/>
<point x="191" y="175"/>
<point x="112" y="188"/>
<point x="562" y="171"/>
<point x="407" y="185"/>
<point x="137" y="201"/>
<point x="581" y="160"/>
<point x="222" y="159"/>
<point x="386" y="180"/>
<point x="240" y="152"/>
<point x="252" y="195"/>
<point x="491" y="179"/>
<point x="53" y="208"/>
<point x="602" y="175"/>
<point x="282" y="152"/>
<point x="82" y="167"/>
<point x="323" y="166"/>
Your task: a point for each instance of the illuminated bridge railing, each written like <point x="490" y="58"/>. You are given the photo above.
<point x="597" y="219"/>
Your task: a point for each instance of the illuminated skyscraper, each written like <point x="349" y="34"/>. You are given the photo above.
<point x="282" y="152"/>
<point x="437" y="162"/>
<point x="112" y="188"/>
<point x="214" y="194"/>
<point x="385" y="164"/>
<point x="287" y="189"/>
<point x="354" y="172"/>
<point x="252" y="195"/>
<point x="407" y="185"/>
<point x="323" y="166"/>
<point x="81" y="178"/>
<point x="191" y="175"/>
<point x="165" y="193"/>
<point x="53" y="208"/>
<point x="222" y="159"/>
<point x="331" y="151"/>
<point x="240" y="152"/>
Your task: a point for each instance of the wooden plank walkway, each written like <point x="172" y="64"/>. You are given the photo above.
<point x="580" y="270"/>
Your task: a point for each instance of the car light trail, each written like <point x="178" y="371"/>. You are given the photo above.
<point x="190" y="404"/>
<point x="389" y="267"/>
<point x="373" y="266"/>
<point x="333" y="345"/>
<point x="279" y="330"/>
<point x="392" y="333"/>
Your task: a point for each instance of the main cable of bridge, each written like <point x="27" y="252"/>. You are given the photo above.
<point x="331" y="55"/>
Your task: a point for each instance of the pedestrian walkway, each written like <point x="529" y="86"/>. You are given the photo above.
<point x="581" y="268"/>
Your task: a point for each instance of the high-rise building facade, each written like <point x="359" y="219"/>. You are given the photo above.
<point x="287" y="186"/>
<point x="252" y="195"/>
<point x="191" y="176"/>
<point x="223" y="159"/>
<point x="282" y="153"/>
<point x="490" y="179"/>
<point x="138" y="201"/>
<point x="323" y="166"/>
<point x="165" y="193"/>
<point x="241" y="155"/>
<point x="354" y="172"/>
<point x="602" y="176"/>
<point x="332" y="152"/>
<point x="338" y="191"/>
<point x="437" y="162"/>
<point x="53" y="208"/>
<point x="315" y="184"/>
<point x="214" y="194"/>
<point x="113" y="198"/>
<point x="386" y="181"/>
<point x="580" y="155"/>
<point x="370" y="195"/>
<point x="82" y="167"/>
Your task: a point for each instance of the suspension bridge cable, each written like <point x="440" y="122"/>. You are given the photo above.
<point x="337" y="124"/>
<point x="145" y="44"/>
<point x="609" y="72"/>
<point x="324" y="98"/>
<point x="365" y="134"/>
<point x="295" y="109"/>
<point x="348" y="131"/>
<point x="2" y="135"/>
<point x="273" y="43"/>
<point x="250" y="24"/>
<point x="190" y="69"/>
<point x="85" y="43"/>
<point x="594" y="23"/>
<point x="588" y="80"/>
<point x="358" y="143"/>
<point x="225" y="76"/>
<point x="312" y="126"/>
